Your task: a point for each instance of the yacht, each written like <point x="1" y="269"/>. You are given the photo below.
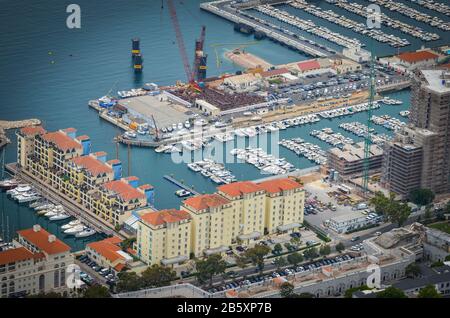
<point x="21" y="188"/>
<point x="9" y="184"/>
<point x="59" y="217"/>
<point x="51" y="213"/>
<point x="182" y="193"/>
<point x="71" y="224"/>
<point x="130" y="134"/>
<point x="85" y="233"/>
<point x="75" y="229"/>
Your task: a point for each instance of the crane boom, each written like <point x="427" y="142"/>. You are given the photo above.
<point x="180" y="41"/>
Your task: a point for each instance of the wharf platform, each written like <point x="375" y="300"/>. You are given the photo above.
<point x="180" y="185"/>
<point x="221" y="8"/>
<point x="14" y="124"/>
<point x="74" y="209"/>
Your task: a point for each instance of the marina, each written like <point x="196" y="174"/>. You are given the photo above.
<point x="308" y="150"/>
<point x="388" y="122"/>
<point x="216" y="172"/>
<point x="330" y="137"/>
<point x="361" y="130"/>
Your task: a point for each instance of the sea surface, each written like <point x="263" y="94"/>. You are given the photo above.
<point x="50" y="72"/>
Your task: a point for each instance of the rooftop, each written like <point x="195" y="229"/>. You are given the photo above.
<point x="108" y="248"/>
<point x="412" y="57"/>
<point x="435" y="81"/>
<point x="82" y="138"/>
<point x="61" y="140"/>
<point x="41" y="239"/>
<point x="16" y="255"/>
<point x="205" y="201"/>
<point x="279" y="185"/>
<point x="124" y="190"/>
<point x="32" y="130"/>
<point x="308" y="65"/>
<point x="236" y="189"/>
<point x="275" y="72"/>
<point x="165" y="216"/>
<point x="91" y="164"/>
<point x="352" y="153"/>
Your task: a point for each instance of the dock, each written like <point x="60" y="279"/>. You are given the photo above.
<point x="73" y="208"/>
<point x="14" y="124"/>
<point x="220" y="8"/>
<point x="181" y="185"/>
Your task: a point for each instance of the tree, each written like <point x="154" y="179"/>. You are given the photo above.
<point x="286" y="290"/>
<point x="421" y="196"/>
<point x="127" y="243"/>
<point x="241" y="262"/>
<point x="295" y="241"/>
<point x="46" y="295"/>
<point x="399" y="213"/>
<point x="277" y="249"/>
<point x="428" y="214"/>
<point x="340" y="247"/>
<point x="447" y="258"/>
<point x="381" y="202"/>
<point x="295" y="258"/>
<point x="391" y="292"/>
<point x="158" y="276"/>
<point x="349" y="292"/>
<point x="325" y="250"/>
<point x="280" y="262"/>
<point x="412" y="270"/>
<point x="128" y="281"/>
<point x="310" y="253"/>
<point x="429" y="291"/>
<point x="207" y="268"/>
<point x="96" y="291"/>
<point x="256" y="256"/>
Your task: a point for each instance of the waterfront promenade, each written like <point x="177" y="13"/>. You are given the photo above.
<point x="73" y="208"/>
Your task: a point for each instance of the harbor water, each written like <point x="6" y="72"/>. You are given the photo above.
<point x="50" y="72"/>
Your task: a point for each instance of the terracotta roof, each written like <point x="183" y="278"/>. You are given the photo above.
<point x="417" y="56"/>
<point x="205" y="201"/>
<point x="91" y="164"/>
<point x="145" y="187"/>
<point x="239" y="188"/>
<point x="447" y="66"/>
<point x="279" y="185"/>
<point x="107" y="248"/>
<point x="69" y="130"/>
<point x="275" y="72"/>
<point x="32" y="130"/>
<point x="165" y="216"/>
<point x="308" y="65"/>
<point x="132" y="178"/>
<point x="16" y="255"/>
<point x="119" y="267"/>
<point x="40" y="240"/>
<point x="100" y="154"/>
<point x="61" y="140"/>
<point x="81" y="138"/>
<point x="113" y="162"/>
<point x="124" y="190"/>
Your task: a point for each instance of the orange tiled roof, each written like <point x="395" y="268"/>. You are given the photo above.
<point x="417" y="56"/>
<point x="132" y="178"/>
<point x="32" y="130"/>
<point x="119" y="267"/>
<point x="40" y="240"/>
<point x="113" y="161"/>
<point x="275" y="72"/>
<point x="61" y="140"/>
<point x="83" y="137"/>
<point x="205" y="201"/>
<point x="239" y="188"/>
<point x="124" y="190"/>
<point x="308" y="65"/>
<point x="69" y="130"/>
<point x="91" y="164"/>
<point x="100" y="154"/>
<point x="16" y="255"/>
<point x="145" y="187"/>
<point x="165" y="216"/>
<point x="279" y="185"/>
<point x="107" y="248"/>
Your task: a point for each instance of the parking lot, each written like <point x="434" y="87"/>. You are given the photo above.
<point x="93" y="273"/>
<point x="288" y="271"/>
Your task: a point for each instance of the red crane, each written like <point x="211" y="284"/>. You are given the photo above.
<point x="180" y="41"/>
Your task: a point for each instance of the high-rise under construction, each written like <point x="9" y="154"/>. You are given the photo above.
<point x="419" y="155"/>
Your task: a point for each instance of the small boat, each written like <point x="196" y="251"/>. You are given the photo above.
<point x="44" y="207"/>
<point x="85" y="233"/>
<point x="71" y="224"/>
<point x="182" y="193"/>
<point x="161" y="148"/>
<point x="74" y="230"/>
<point x="130" y="134"/>
<point x="59" y="217"/>
<point x="9" y="184"/>
<point x="51" y="213"/>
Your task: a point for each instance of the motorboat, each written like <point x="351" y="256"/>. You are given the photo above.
<point x="182" y="193"/>
<point x="76" y="229"/>
<point x="130" y="134"/>
<point x="85" y="233"/>
<point x="59" y="217"/>
<point x="51" y="213"/>
<point x="44" y="206"/>
<point x="9" y="184"/>
<point x="21" y="188"/>
<point x="71" y="224"/>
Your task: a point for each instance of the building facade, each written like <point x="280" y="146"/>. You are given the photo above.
<point x="36" y="264"/>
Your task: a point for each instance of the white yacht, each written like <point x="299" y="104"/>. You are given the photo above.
<point x="71" y="224"/>
<point x="85" y="233"/>
<point x="59" y="217"/>
<point x="75" y="229"/>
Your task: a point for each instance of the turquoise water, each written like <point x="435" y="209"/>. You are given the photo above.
<point x="50" y="72"/>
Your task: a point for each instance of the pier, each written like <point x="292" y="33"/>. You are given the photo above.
<point x="181" y="185"/>
<point x="73" y="208"/>
<point x="222" y="9"/>
<point x="6" y="125"/>
<point x="397" y="86"/>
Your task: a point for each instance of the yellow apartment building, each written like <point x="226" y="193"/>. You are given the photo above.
<point x="164" y="237"/>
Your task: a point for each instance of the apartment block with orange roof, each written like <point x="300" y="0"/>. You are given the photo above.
<point x="248" y="205"/>
<point x="164" y="237"/>
<point x="215" y="224"/>
<point x="285" y="203"/>
<point x="109" y="254"/>
<point x="37" y="263"/>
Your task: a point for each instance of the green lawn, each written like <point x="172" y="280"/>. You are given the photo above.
<point x="442" y="226"/>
